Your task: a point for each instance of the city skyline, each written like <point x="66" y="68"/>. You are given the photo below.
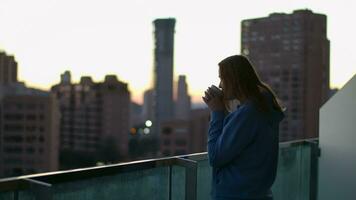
<point x="108" y="37"/>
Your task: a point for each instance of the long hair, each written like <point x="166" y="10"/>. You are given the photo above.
<point x="240" y="79"/>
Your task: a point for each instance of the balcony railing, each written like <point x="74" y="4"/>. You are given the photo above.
<point x="173" y="178"/>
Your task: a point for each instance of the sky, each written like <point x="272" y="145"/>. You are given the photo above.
<point x="99" y="37"/>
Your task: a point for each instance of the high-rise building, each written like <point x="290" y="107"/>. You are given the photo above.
<point x="163" y="71"/>
<point x="183" y="103"/>
<point x="29" y="129"/>
<point x="29" y="133"/>
<point x="95" y="121"/>
<point x="8" y="69"/>
<point x="291" y="53"/>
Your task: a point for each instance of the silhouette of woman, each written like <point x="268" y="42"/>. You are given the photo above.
<point x="242" y="141"/>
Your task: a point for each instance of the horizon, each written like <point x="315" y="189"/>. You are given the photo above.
<point x="43" y="39"/>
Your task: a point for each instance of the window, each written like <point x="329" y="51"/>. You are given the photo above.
<point x="275" y="37"/>
<point x="30" y="138"/>
<point x="31" y="106"/>
<point x="13" y="138"/>
<point x="41" y="138"/>
<point x="166" y="142"/>
<point x="167" y="130"/>
<point x="30" y="150"/>
<point x="31" y="117"/>
<point x="31" y="128"/>
<point x="13" y="116"/>
<point x="13" y="149"/>
<point x="13" y="127"/>
<point x="181" y="142"/>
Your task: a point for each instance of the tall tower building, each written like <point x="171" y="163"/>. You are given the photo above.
<point x="163" y="70"/>
<point x="291" y="53"/>
<point x="183" y="100"/>
<point x="8" y="69"/>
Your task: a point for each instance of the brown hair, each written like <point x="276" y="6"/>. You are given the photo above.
<point x="239" y="77"/>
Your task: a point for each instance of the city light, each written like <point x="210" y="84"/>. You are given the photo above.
<point x="146" y="131"/>
<point x="133" y="131"/>
<point x="148" y="123"/>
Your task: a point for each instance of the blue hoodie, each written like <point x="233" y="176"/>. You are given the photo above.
<point x="243" y="151"/>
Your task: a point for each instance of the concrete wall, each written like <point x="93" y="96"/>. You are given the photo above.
<point x="337" y="137"/>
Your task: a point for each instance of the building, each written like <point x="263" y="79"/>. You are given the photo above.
<point x="8" y="69"/>
<point x="183" y="103"/>
<point x="175" y="137"/>
<point x="198" y="127"/>
<point x="95" y="121"/>
<point x="163" y="70"/>
<point x="148" y="105"/>
<point x="136" y="114"/>
<point x="29" y="133"/>
<point x="291" y="53"/>
<point x="185" y="136"/>
<point x="29" y="129"/>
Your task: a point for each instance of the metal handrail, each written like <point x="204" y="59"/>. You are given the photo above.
<point x="19" y="183"/>
<point x="22" y="182"/>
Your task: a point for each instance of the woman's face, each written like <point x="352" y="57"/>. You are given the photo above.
<point x="228" y="94"/>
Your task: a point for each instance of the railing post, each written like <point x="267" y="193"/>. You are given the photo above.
<point x="315" y="153"/>
<point x="16" y="195"/>
<point x="191" y="167"/>
<point x="41" y="190"/>
<point x="170" y="183"/>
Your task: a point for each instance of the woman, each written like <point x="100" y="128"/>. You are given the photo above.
<point x="242" y="144"/>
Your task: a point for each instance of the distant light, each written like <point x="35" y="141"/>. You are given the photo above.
<point x="146" y="131"/>
<point x="148" y="123"/>
<point x="246" y="51"/>
<point x="133" y="131"/>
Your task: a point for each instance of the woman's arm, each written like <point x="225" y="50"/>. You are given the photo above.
<point x="227" y="139"/>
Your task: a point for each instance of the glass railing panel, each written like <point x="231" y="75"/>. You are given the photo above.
<point x="26" y="195"/>
<point x="6" y="195"/>
<point x="204" y="180"/>
<point x="305" y="173"/>
<point x="22" y="195"/>
<point x="142" y="184"/>
<point x="292" y="181"/>
<point x="178" y="183"/>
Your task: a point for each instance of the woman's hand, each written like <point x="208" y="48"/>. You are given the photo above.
<point x="214" y="99"/>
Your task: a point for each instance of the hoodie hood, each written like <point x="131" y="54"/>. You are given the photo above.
<point x="275" y="116"/>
